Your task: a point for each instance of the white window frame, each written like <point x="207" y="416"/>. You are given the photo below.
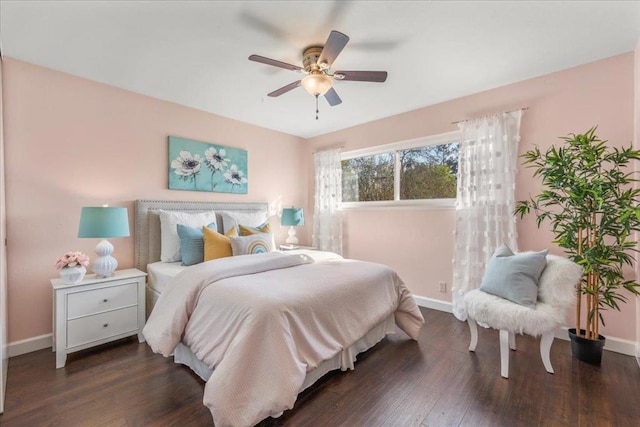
<point x="395" y="147"/>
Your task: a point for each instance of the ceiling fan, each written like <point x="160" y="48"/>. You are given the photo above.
<point x="319" y="79"/>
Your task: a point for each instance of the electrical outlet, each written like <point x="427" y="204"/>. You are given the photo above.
<point x="443" y="287"/>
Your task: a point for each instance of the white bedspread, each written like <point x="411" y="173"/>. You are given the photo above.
<point x="263" y="321"/>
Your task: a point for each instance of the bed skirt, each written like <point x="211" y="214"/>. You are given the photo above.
<point x="151" y="297"/>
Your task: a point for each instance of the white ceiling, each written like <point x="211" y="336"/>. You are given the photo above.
<point x="195" y="53"/>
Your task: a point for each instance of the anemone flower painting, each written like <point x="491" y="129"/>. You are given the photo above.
<point x="187" y="166"/>
<point x="234" y="176"/>
<point x="199" y="166"/>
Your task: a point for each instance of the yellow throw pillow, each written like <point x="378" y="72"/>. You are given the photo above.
<point x="248" y="231"/>
<point x="217" y="245"/>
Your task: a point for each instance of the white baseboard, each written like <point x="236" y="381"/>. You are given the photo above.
<point x="638" y="353"/>
<point x="614" y="344"/>
<point x="434" y="303"/>
<point x="28" y="345"/>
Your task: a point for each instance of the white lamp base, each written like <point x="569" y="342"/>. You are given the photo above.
<point x="105" y="264"/>
<point x="292" y="239"/>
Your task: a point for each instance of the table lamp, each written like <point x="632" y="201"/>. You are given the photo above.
<point x="104" y="222"/>
<point x="292" y="217"/>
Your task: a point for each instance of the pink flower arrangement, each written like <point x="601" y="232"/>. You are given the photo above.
<point x="72" y="259"/>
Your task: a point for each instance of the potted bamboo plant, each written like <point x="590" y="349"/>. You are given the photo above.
<point x="590" y="202"/>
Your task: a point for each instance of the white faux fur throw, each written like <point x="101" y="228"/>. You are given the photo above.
<point x="556" y="293"/>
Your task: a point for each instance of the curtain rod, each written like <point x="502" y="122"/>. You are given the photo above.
<point x="328" y="148"/>
<point x="511" y="111"/>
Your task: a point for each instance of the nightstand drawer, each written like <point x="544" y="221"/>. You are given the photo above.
<point x="98" y="300"/>
<point x="103" y="325"/>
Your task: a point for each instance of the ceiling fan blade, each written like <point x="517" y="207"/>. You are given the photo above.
<point x="255" y="22"/>
<point x="361" y="76"/>
<point x="269" y="61"/>
<point x="284" y="89"/>
<point x="332" y="48"/>
<point x="332" y="97"/>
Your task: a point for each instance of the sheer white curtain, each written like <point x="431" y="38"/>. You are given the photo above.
<point x="488" y="155"/>
<point x="327" y="218"/>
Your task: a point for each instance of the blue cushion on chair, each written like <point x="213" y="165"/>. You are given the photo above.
<point x="514" y="276"/>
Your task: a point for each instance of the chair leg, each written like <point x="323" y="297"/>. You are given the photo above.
<point x="473" y="328"/>
<point x="504" y="353"/>
<point x="545" y="349"/>
<point x="512" y="341"/>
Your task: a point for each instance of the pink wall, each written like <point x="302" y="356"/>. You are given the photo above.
<point x="4" y="357"/>
<point x="637" y="145"/>
<point x="418" y="242"/>
<point x="71" y="142"/>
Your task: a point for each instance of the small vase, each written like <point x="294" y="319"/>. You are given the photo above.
<point x="72" y="275"/>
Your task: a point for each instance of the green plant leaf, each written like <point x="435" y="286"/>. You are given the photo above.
<point x="587" y="185"/>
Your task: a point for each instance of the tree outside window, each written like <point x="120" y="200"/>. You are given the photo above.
<point x="426" y="172"/>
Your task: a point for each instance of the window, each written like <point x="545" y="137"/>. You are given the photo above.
<point x="368" y="178"/>
<point x="429" y="172"/>
<point x="421" y="171"/>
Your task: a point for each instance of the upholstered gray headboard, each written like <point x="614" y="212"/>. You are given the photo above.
<point x="147" y="244"/>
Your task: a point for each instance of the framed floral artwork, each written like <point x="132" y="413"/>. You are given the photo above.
<point x="199" y="166"/>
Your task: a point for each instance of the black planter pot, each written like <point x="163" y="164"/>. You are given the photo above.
<point x="589" y="351"/>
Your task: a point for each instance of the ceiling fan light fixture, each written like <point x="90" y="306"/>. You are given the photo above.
<point x="317" y="61"/>
<point x="317" y="84"/>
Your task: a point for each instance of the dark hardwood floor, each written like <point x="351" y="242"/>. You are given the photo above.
<point x="433" y="382"/>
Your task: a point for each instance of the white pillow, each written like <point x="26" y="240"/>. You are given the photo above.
<point x="169" y="239"/>
<point x="250" y="219"/>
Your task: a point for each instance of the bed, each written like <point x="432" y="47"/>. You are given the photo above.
<point x="256" y="328"/>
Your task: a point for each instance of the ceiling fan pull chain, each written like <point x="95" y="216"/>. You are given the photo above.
<point x="317" y="110"/>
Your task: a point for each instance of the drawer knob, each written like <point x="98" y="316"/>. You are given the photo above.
<point x="105" y="300"/>
<point x="105" y="325"/>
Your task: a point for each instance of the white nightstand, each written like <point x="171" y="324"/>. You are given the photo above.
<point x="96" y="311"/>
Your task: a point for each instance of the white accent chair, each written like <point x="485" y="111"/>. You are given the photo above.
<point x="556" y="293"/>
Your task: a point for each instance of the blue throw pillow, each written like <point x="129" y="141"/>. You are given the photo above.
<point x="192" y="243"/>
<point x="514" y="277"/>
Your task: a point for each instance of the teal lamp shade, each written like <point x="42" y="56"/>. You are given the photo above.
<point x="104" y="222"/>
<point x="292" y="217"/>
